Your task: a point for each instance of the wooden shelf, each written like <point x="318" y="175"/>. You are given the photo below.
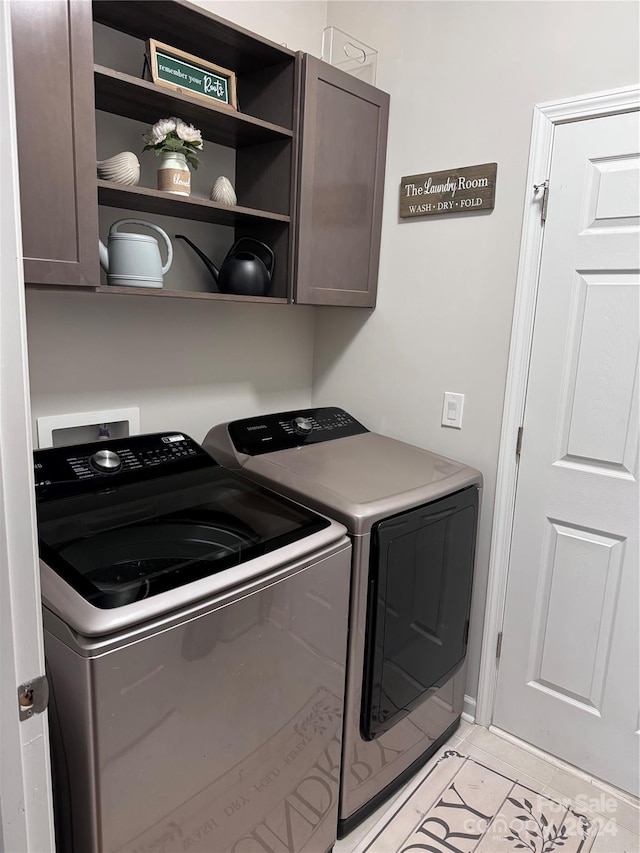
<point x="193" y="29"/>
<point x="190" y="294"/>
<point x="142" y="100"/>
<point x="146" y="200"/>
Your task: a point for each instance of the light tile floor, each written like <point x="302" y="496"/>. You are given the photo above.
<point x="616" y="813"/>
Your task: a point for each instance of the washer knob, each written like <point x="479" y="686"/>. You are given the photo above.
<point x="106" y="461"/>
<point x="302" y="426"/>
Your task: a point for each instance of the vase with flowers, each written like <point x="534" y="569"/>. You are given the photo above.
<point x="176" y="143"/>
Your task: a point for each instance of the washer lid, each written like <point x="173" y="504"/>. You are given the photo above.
<point x="135" y="528"/>
<point x="138" y="541"/>
<point x="362" y="478"/>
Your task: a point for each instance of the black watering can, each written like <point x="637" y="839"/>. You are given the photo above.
<point x="247" y="270"/>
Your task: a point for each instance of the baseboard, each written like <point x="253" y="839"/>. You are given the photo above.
<point x="469" y="709"/>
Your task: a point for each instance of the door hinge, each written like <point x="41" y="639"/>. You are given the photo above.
<point x="519" y="441"/>
<point x="545" y="202"/>
<point x="545" y="198"/>
<point x="499" y="646"/>
<point x="33" y="697"/>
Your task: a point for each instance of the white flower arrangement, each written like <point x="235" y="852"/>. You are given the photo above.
<point x="175" y="135"/>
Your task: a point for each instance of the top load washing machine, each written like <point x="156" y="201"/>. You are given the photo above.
<point x="195" y="640"/>
<point x="412" y="517"/>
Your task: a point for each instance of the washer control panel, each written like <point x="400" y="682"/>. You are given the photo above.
<point x="83" y="468"/>
<point x="286" y="430"/>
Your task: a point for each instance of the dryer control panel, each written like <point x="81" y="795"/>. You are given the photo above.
<point x="286" y="430"/>
<point x="82" y="468"/>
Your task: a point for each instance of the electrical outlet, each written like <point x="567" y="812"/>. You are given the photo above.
<point x="452" y="410"/>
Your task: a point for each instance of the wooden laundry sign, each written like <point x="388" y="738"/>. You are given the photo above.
<point x="464" y="190"/>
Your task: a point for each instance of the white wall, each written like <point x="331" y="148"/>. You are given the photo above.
<point x="297" y="24"/>
<point x="463" y="79"/>
<point x="187" y="364"/>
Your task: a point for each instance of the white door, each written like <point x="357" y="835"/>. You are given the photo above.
<point x="26" y="824"/>
<point x="568" y="672"/>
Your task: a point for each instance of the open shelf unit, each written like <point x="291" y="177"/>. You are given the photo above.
<point x="263" y="135"/>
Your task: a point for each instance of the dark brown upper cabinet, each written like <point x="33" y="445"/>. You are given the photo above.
<point x="318" y="208"/>
<point x="56" y="141"/>
<point x="341" y="181"/>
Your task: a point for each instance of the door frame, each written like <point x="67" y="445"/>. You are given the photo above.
<point x="26" y="814"/>
<point x="546" y="117"/>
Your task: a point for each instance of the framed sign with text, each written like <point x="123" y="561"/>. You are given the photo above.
<point x="189" y="75"/>
<point x="465" y="190"/>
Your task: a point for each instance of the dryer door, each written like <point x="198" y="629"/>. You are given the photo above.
<point x="421" y="572"/>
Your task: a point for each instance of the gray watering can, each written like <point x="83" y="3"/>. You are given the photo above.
<point x="133" y="260"/>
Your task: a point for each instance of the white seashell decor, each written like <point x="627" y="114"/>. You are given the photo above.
<point x="123" y="168"/>
<point x="223" y="192"/>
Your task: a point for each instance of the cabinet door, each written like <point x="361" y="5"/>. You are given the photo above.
<point x="341" y="181"/>
<point x="53" y="67"/>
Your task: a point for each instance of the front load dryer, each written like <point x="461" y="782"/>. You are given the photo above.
<point x="195" y="638"/>
<point x="412" y="517"/>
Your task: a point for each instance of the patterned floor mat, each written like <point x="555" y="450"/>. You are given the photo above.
<point x="461" y="806"/>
